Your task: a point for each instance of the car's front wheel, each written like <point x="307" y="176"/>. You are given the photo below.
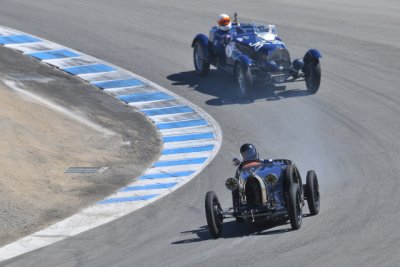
<point x="214" y="214"/>
<point x="243" y="79"/>
<point x="201" y="64"/>
<point x="294" y="206"/>
<point x="312" y="72"/>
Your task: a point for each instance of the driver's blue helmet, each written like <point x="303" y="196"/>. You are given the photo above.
<point x="249" y="152"/>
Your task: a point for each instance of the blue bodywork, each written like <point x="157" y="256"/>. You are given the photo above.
<point x="256" y="47"/>
<point x="249" y="204"/>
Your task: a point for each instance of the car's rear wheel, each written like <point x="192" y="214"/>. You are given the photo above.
<point x="201" y="64"/>
<point x="294" y="207"/>
<point x="243" y="79"/>
<point x="312" y="72"/>
<point x="214" y="214"/>
<point x="313" y="197"/>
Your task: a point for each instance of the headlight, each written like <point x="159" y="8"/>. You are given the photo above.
<point x="232" y="184"/>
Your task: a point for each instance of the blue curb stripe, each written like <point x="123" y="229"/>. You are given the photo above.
<point x="18" y="39"/>
<point x="188" y="137"/>
<point x="165" y="111"/>
<point x="147" y="187"/>
<point x="181" y="124"/>
<point x="126" y="199"/>
<point x="165" y="175"/>
<point x="145" y="97"/>
<point x="95" y="68"/>
<point x="187" y="150"/>
<point x="118" y="83"/>
<point x="180" y="162"/>
<point x="53" y="54"/>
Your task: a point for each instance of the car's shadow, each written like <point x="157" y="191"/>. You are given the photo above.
<point x="232" y="229"/>
<point x="222" y="86"/>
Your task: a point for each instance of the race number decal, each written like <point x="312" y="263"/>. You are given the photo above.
<point x="257" y="45"/>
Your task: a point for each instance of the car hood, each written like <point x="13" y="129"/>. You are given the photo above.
<point x="265" y="42"/>
<point x="263" y="170"/>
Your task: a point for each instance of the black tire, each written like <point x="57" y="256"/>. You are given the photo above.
<point x="201" y="64"/>
<point x="213" y="214"/>
<point x="294" y="207"/>
<point x="292" y="175"/>
<point x="289" y="177"/>
<point x="312" y="71"/>
<point x="244" y="80"/>
<point x="313" y="197"/>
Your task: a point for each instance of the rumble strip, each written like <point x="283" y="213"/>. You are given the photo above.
<point x="191" y="137"/>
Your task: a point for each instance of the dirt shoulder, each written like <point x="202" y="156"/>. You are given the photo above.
<point x="50" y="121"/>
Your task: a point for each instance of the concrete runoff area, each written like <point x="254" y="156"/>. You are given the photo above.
<point x="50" y="122"/>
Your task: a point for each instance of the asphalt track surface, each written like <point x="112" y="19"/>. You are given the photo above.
<point x="348" y="132"/>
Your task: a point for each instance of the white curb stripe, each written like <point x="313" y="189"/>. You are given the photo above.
<point x="35" y="47"/>
<point x="158" y="104"/>
<point x="72" y="62"/>
<point x="158" y="181"/>
<point x="6" y="31"/>
<point x="130" y="90"/>
<point x="189" y="143"/>
<point x="173" y="168"/>
<point x="180" y="117"/>
<point x="188" y="130"/>
<point x="184" y="155"/>
<point x="105" y="76"/>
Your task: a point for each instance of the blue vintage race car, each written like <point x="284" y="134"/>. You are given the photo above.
<point x="265" y="190"/>
<point x="254" y="53"/>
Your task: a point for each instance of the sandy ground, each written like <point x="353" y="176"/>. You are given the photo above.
<point x="40" y="140"/>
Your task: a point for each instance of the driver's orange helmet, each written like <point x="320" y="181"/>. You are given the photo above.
<point x="224" y="22"/>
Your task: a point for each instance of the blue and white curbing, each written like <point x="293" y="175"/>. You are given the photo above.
<point x="191" y="138"/>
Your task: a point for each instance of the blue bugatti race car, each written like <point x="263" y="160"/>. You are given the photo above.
<point x="254" y="53"/>
<point x="265" y="190"/>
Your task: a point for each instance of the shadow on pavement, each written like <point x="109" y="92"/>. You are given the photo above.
<point x="222" y="87"/>
<point x="232" y="229"/>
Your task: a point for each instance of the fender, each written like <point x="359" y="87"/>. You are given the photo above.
<point x="203" y="40"/>
<point x="312" y="54"/>
<point x="245" y="61"/>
